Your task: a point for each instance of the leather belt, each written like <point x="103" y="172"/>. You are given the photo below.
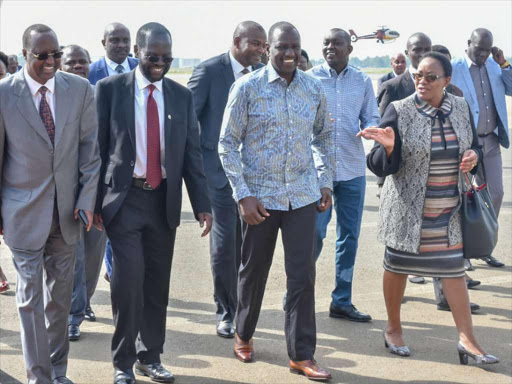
<point x="141" y="183"/>
<point x="486" y="134"/>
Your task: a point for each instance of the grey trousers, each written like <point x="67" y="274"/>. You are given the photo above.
<point x="493" y="169"/>
<point x="89" y="256"/>
<point x="43" y="297"/>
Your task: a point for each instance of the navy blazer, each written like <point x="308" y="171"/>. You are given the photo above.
<point x="99" y="70"/>
<point x="116" y="138"/>
<point x="210" y="84"/>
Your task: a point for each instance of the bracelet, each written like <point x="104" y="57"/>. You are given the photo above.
<point x="505" y="65"/>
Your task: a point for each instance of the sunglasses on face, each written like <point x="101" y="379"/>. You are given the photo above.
<point x="155" y="59"/>
<point x="429" y="78"/>
<point x="45" y="56"/>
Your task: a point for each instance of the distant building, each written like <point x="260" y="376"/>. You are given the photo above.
<point x="184" y="63"/>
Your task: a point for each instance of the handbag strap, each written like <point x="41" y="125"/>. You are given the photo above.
<point x="472" y="180"/>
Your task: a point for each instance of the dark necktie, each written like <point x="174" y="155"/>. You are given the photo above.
<point x="46" y="114"/>
<point x="245" y="71"/>
<point x="120" y="69"/>
<point x="153" y="166"/>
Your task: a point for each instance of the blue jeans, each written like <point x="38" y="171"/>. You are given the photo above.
<point x="348" y="202"/>
<point x="108" y="258"/>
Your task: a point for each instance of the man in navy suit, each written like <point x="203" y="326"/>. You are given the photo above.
<point x="117" y="42"/>
<point x="210" y="84"/>
<point x="398" y="64"/>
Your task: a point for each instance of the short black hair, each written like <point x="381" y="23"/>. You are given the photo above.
<point x="443" y="60"/>
<point x="441" y="49"/>
<point x="4" y="59"/>
<point x="283" y="26"/>
<point x="148" y="28"/>
<point x="346" y="36"/>
<point x="244" y="27"/>
<point x="73" y="47"/>
<point x="37" y="28"/>
<point x="305" y="54"/>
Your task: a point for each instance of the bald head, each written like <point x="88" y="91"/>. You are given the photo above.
<point x="480" y="46"/>
<point x="116" y="41"/>
<point x="417" y="45"/>
<point x="75" y="59"/>
<point x="398" y="63"/>
<point x="249" y="43"/>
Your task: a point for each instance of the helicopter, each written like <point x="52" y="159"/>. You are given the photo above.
<point x="382" y="35"/>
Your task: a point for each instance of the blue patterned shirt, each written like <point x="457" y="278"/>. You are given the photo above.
<point x="276" y="141"/>
<point x="352" y="105"/>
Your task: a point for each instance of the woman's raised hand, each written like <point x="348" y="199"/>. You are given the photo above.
<point x="383" y="136"/>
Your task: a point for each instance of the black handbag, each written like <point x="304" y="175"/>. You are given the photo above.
<point x="479" y="221"/>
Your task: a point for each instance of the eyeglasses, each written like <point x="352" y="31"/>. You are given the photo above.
<point x="45" y="56"/>
<point x="429" y="78"/>
<point x="155" y="59"/>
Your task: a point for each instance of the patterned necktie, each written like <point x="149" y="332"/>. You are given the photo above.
<point x="46" y="114"/>
<point x="153" y="165"/>
<point x="245" y="71"/>
<point x="120" y="69"/>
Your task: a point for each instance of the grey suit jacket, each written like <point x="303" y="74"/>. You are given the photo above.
<point x="34" y="173"/>
<point x="210" y="84"/>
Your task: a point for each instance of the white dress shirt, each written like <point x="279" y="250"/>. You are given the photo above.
<point x="111" y="66"/>
<point x="34" y="87"/>
<point x="237" y="67"/>
<point x="141" y="123"/>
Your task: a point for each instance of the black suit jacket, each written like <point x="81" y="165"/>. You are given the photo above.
<point x="210" y="84"/>
<point x="116" y="136"/>
<point x="397" y="88"/>
<point x="384" y="78"/>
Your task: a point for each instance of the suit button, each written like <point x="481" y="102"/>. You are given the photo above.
<point x="51" y="151"/>
<point x="132" y="163"/>
<point x="126" y="186"/>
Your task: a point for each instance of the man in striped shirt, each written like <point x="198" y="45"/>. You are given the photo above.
<point x="352" y="106"/>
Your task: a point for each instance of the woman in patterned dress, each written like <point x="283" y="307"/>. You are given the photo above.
<point x="428" y="140"/>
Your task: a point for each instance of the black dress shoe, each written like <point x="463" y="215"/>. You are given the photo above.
<point x="73" y="332"/>
<point x="61" y="380"/>
<point x="226" y="329"/>
<point x="156" y="372"/>
<point x="472" y="283"/>
<point x="89" y="314"/>
<point x="493" y="262"/>
<point x="443" y="306"/>
<point x="121" y="377"/>
<point x="350" y="313"/>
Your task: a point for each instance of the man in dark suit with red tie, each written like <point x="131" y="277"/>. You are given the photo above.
<point x="149" y="143"/>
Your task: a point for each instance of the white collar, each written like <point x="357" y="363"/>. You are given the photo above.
<point x="469" y="62"/>
<point x="143" y="82"/>
<point x="412" y="69"/>
<point x="114" y="65"/>
<point x="235" y="64"/>
<point x="34" y="85"/>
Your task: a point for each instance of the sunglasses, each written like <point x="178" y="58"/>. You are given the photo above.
<point x="155" y="59"/>
<point x="45" y="56"/>
<point x="429" y="78"/>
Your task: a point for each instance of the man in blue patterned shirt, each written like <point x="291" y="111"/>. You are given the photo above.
<point x="276" y="148"/>
<point x="352" y="106"/>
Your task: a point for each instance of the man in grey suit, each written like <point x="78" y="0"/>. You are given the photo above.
<point x="210" y="84"/>
<point x="49" y="169"/>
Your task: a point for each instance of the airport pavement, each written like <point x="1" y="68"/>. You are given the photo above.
<point x="352" y="352"/>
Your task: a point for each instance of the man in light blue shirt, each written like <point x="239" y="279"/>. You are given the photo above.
<point x="485" y="82"/>
<point x="276" y="149"/>
<point x="352" y="106"/>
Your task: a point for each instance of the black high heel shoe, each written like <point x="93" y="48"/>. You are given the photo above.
<point x="479" y="359"/>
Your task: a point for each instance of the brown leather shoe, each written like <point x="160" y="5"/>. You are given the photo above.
<point x="310" y="369"/>
<point x="244" y="351"/>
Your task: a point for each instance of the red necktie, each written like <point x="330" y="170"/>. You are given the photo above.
<point x="46" y="114"/>
<point x="153" y="166"/>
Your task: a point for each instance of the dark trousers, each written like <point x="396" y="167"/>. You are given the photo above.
<point x="258" y="244"/>
<point x="142" y="245"/>
<point x="225" y="251"/>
